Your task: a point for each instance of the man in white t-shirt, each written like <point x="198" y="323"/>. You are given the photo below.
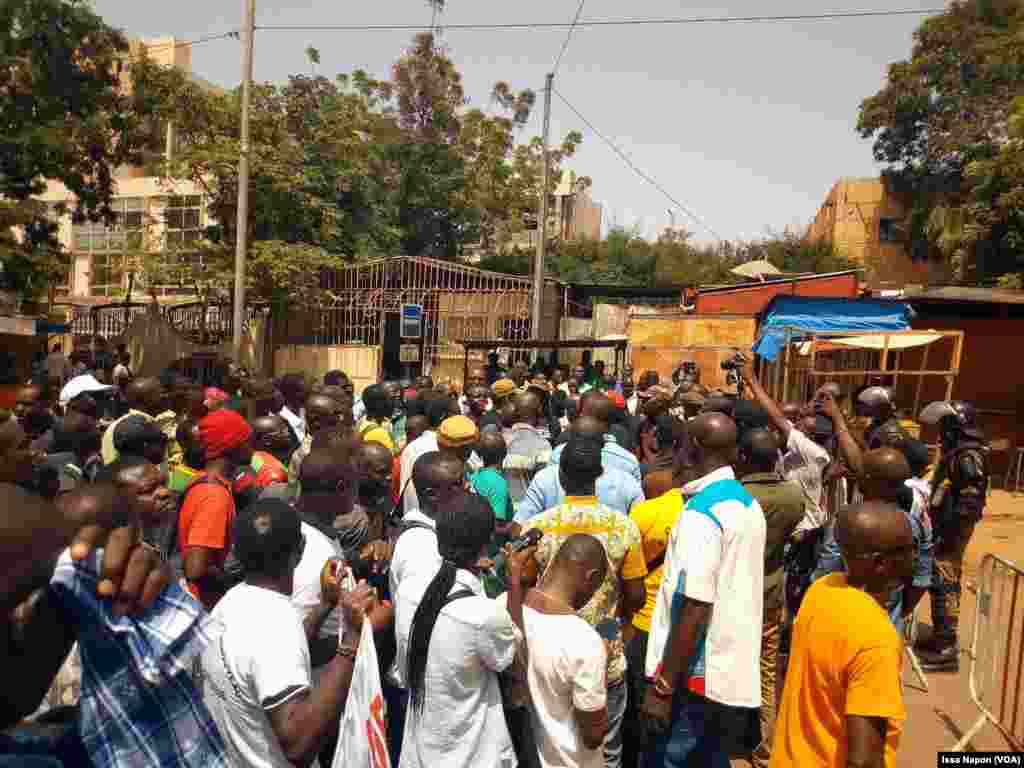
<point x="328" y="483"/>
<point x="705" y="641"/>
<point x="256" y="677"/>
<point x="567" y="659"/>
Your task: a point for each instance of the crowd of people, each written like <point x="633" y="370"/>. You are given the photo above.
<point x="559" y="567"/>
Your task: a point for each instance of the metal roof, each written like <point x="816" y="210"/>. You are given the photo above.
<point x="952" y="293"/>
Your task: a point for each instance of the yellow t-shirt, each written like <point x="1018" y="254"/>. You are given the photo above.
<point x="371" y="432"/>
<point x="846" y="660"/>
<point x="654" y="518"/>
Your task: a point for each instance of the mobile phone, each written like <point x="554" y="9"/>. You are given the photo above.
<point x="529" y="539"/>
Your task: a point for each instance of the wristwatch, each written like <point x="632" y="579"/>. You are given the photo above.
<point x="661" y="687"/>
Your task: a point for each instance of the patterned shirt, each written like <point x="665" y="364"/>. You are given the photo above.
<point x="621" y="539"/>
<point x="138" y="703"/>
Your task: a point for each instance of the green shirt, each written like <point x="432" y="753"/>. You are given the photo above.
<point x="783" y="505"/>
<point x="493" y="486"/>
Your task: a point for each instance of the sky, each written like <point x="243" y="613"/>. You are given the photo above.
<point x="747" y="125"/>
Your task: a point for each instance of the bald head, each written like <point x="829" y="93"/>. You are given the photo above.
<point x="885" y="471"/>
<point x="759" y="450"/>
<point x="374" y="452"/>
<point x="714" y="437"/>
<point x="438" y="478"/>
<point x="578" y="569"/>
<point x="581" y="549"/>
<point x="598" y="406"/>
<point x="589" y="427"/>
<point x="792" y="411"/>
<point x="265" y="424"/>
<point x="527" y="407"/>
<point x="492" y="448"/>
<point x="146" y="394"/>
<point x="321" y="473"/>
<point x="878" y="546"/>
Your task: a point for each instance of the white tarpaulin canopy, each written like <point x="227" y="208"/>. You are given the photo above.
<point x="897" y="341"/>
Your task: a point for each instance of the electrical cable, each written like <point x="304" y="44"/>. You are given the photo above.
<point x="637" y="171"/>
<point x="197" y="41"/>
<point x="568" y="37"/>
<point x="607" y="22"/>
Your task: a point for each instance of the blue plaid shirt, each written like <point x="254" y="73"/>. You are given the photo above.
<point x="138" y="704"/>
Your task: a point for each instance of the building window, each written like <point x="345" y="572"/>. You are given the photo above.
<point x="184" y="216"/>
<point x="183" y="219"/>
<point x="888" y="230"/>
<point x="106" y="274"/>
<point x="108" y="245"/>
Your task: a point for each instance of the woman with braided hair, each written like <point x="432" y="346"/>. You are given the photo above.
<point x="458" y="642"/>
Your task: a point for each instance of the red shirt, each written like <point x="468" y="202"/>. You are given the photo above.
<point x="205" y="521"/>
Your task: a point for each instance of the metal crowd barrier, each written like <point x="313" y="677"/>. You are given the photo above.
<point x="997" y="651"/>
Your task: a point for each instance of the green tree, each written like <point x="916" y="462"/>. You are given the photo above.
<point x="66" y="118"/>
<point x="941" y="126"/>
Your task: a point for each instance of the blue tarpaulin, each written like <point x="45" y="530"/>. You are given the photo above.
<point x="820" y="315"/>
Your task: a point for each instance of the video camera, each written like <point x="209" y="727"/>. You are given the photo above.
<point x="734" y="366"/>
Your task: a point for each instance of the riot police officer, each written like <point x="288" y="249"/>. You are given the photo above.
<point x="959" y="487"/>
<point x="885" y="430"/>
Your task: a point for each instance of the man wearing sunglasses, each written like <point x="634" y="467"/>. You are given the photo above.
<point x="843" y="703"/>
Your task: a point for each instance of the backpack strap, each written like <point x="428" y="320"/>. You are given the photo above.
<point x="170" y="543"/>
<point x="408" y="525"/>
<point x="457" y="595"/>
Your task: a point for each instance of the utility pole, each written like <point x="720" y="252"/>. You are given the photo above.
<point x="242" y="234"/>
<point x="542" y="225"/>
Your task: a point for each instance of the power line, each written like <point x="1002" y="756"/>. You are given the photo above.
<point x="637" y="171"/>
<point x="606" y="22"/>
<point x="568" y="37"/>
<point x="197" y="41"/>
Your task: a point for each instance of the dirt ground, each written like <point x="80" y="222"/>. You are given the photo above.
<point x="939" y="717"/>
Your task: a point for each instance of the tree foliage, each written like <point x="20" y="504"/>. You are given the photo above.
<point x="626" y="258"/>
<point x="65" y="117"/>
<point x="942" y="126"/>
<point x="355" y="167"/>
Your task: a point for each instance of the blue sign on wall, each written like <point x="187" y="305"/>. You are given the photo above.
<point x="412" y="321"/>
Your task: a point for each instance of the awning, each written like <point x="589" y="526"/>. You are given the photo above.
<point x="800" y="316"/>
<point x="902" y="341"/>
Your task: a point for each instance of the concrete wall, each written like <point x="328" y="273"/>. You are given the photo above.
<point x="361" y="363"/>
<point x="661" y="342"/>
<point x="850" y="217"/>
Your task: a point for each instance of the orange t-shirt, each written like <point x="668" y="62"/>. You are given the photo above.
<point x="205" y="521"/>
<point x="846" y="660"/>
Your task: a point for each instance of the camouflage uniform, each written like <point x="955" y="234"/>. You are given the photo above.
<point x="961" y="483"/>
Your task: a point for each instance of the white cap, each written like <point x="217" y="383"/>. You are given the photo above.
<point x="79" y="385"/>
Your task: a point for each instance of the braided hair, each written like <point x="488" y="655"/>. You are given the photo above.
<point x="464" y="527"/>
